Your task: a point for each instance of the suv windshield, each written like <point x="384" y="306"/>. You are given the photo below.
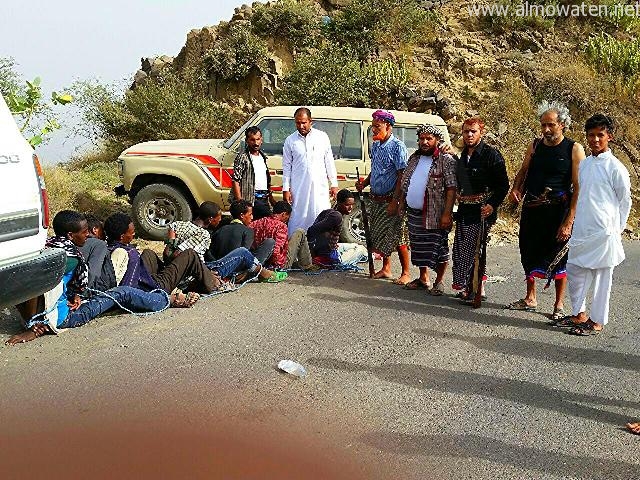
<point x="229" y="143"/>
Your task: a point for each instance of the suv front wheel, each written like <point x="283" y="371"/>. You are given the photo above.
<point x="353" y="227"/>
<point x="155" y="207"/>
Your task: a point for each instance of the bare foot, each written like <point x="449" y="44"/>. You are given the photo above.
<point x="265" y="273"/>
<point x="403" y="279"/>
<point x="634" y="427"/>
<point x="23" y="337"/>
<point x="382" y="274"/>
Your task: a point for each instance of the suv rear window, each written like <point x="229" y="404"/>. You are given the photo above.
<point x="344" y="136"/>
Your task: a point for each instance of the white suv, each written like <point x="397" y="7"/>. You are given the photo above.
<point x="26" y="268"/>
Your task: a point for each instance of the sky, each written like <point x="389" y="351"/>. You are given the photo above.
<point x="62" y="41"/>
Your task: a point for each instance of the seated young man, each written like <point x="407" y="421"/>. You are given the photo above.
<point x="102" y="276"/>
<point x="147" y="271"/>
<point x="324" y="234"/>
<point x="238" y="234"/>
<point x="193" y="235"/>
<point x="62" y="307"/>
<point x="286" y="250"/>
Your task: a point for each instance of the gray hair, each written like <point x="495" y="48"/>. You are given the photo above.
<point x="554" y="106"/>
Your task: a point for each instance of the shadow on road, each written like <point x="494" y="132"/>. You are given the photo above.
<point x="497" y="451"/>
<point x="466" y="383"/>
<point x="542" y="351"/>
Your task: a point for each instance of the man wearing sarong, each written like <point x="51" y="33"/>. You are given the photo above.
<point x="309" y="175"/>
<point x="595" y="246"/>
<point x="482" y="186"/>
<point x="428" y="194"/>
<point x="388" y="228"/>
<point x="547" y="182"/>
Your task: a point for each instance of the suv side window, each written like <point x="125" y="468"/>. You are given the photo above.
<point x="274" y="132"/>
<point x="406" y="134"/>
<point x="345" y="138"/>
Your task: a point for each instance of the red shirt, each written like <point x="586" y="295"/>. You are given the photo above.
<point x="270" y="227"/>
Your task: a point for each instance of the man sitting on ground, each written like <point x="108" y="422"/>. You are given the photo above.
<point x="324" y="234"/>
<point x="102" y="276"/>
<point x="62" y="307"/>
<point x="148" y="272"/>
<point x="286" y="250"/>
<point x="238" y="234"/>
<point x="193" y="235"/>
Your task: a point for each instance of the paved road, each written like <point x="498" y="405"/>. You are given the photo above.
<point x="401" y="384"/>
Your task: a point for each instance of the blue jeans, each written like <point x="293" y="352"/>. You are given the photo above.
<point x="237" y="260"/>
<point x="129" y="297"/>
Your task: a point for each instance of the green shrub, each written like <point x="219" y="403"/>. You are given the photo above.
<point x="163" y="108"/>
<point x="235" y="53"/>
<point x="618" y="57"/>
<point x="297" y="21"/>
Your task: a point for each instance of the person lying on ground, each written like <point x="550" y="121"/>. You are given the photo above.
<point x="193" y="235"/>
<point x="147" y="271"/>
<point x="238" y="234"/>
<point x="324" y="234"/>
<point x="102" y="276"/>
<point x="286" y="251"/>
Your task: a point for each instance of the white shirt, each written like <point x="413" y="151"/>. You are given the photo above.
<point x="604" y="203"/>
<point x="418" y="182"/>
<point x="308" y="168"/>
<point x="259" y="172"/>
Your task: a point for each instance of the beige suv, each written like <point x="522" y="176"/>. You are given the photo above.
<point x="166" y="180"/>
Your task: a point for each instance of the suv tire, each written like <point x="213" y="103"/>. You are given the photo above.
<point x="157" y="205"/>
<point x="353" y="227"/>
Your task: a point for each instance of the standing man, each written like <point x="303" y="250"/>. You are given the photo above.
<point x="428" y="195"/>
<point x="388" y="227"/>
<point x="482" y="186"/>
<point x="251" y="180"/>
<point x="595" y="247"/>
<point x="309" y="175"/>
<point x="547" y="182"/>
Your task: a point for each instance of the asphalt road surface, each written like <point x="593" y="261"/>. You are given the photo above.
<point x="399" y="385"/>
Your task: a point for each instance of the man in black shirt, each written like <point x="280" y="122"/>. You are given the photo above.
<point x="482" y="186"/>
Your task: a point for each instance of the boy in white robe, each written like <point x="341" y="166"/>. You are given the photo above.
<point x="595" y="246"/>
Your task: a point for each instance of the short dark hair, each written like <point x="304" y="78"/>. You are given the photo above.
<point x="208" y="210"/>
<point x="252" y="131"/>
<point x="239" y="207"/>
<point x="93" y="221"/>
<point x="343" y="195"/>
<point x="304" y="110"/>
<point x="282" y="207"/>
<point x="115" y="225"/>
<point x="600" y="120"/>
<point x="67" y="221"/>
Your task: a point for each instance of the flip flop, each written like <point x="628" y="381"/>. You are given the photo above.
<point x="521" y="305"/>
<point x="277" y="277"/>
<point x="416" y="284"/>
<point x="584" y="329"/>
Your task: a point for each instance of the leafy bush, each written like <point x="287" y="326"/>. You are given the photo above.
<point x="618" y="57"/>
<point x="364" y="25"/>
<point x="168" y="107"/>
<point x="235" y="53"/>
<point x="297" y="21"/>
<point x="9" y="78"/>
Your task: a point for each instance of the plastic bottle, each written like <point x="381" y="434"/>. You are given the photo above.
<point x="292" y="368"/>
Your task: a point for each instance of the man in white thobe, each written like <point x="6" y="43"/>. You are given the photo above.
<point x="309" y="177"/>
<point x="595" y="246"/>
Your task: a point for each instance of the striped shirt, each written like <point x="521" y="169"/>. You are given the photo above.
<point x="386" y="160"/>
<point x="244" y="174"/>
<point x="189" y="235"/>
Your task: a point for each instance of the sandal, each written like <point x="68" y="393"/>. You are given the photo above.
<point x="437" y="290"/>
<point x="521" y="305"/>
<point x="558" y="314"/>
<point x="183" y="300"/>
<point x="584" y="329"/>
<point x="416" y="284"/>
<point x="275" y="278"/>
<point x="565" y="322"/>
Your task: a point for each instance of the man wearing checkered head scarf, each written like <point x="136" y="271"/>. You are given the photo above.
<point x="428" y="194"/>
<point x="388" y="227"/>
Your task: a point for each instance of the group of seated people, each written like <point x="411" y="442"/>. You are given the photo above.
<point x="105" y="270"/>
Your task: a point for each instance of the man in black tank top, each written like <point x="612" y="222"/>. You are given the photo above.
<point x="547" y="183"/>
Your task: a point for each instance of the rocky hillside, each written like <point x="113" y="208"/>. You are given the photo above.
<point x="458" y="65"/>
